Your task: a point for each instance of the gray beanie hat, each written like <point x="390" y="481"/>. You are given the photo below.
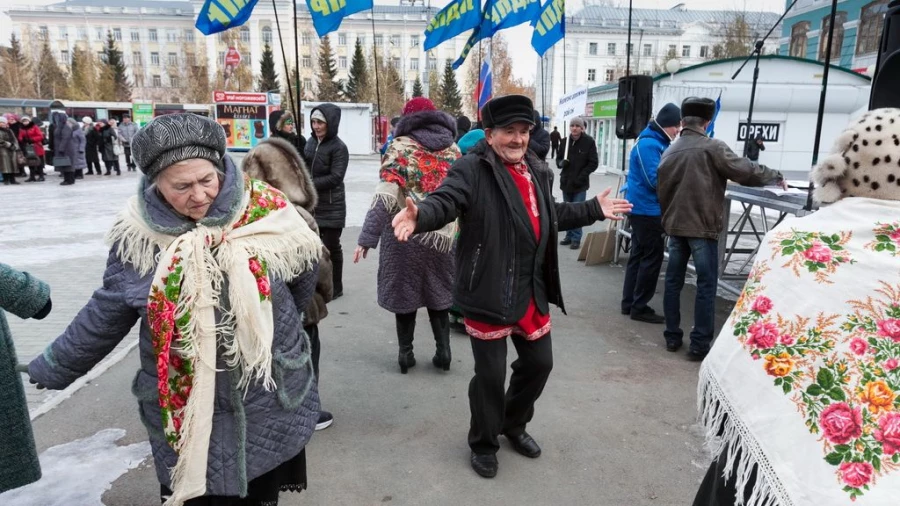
<point x="174" y="138"/>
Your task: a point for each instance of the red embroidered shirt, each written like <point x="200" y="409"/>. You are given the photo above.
<point x="533" y="324"/>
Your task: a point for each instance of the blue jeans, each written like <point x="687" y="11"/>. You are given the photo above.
<point x="706" y="260"/>
<point x="574" y="235"/>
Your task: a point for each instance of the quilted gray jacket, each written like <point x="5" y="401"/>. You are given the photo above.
<point x="251" y="434"/>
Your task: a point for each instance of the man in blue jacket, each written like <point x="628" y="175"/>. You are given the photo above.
<point x="647" y="243"/>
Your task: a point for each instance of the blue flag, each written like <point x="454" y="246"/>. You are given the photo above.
<point x="503" y="14"/>
<point x="328" y="14"/>
<point x="711" y="129"/>
<point x="454" y="19"/>
<point x="473" y="39"/>
<point x="219" y="15"/>
<point x="549" y="26"/>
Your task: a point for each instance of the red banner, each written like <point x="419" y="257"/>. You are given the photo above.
<point x="240" y="98"/>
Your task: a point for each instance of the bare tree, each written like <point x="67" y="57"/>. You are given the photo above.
<point x="15" y="70"/>
<point x="501" y="72"/>
<point x="737" y="38"/>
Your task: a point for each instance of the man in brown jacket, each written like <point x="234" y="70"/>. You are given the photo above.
<point x="693" y="174"/>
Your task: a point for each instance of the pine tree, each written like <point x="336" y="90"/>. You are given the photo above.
<point x="112" y="59"/>
<point x="330" y="88"/>
<point x="417" y="87"/>
<point x="15" y="71"/>
<point x="357" y="89"/>
<point x="451" y="102"/>
<point x="268" y="77"/>
<point x="49" y="79"/>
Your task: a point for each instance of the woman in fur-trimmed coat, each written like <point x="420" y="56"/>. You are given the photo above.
<point x="418" y="273"/>
<point x="276" y="162"/>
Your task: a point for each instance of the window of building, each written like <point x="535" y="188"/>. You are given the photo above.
<point x="151" y="34"/>
<point x="305" y="39"/>
<point x="267" y="35"/>
<point x="395" y="62"/>
<point x="306" y="61"/>
<point x="307" y="84"/>
<point x="154" y="59"/>
<point x="432" y="63"/>
<point x="871" y="19"/>
<point x="611" y="49"/>
<point x="610" y="75"/>
<point x="157" y="81"/>
<point x="189" y="35"/>
<point x="190" y="59"/>
<point x="245" y="34"/>
<point x="117" y="34"/>
<point x="171" y="35"/>
<point x="648" y="49"/>
<point x="379" y="39"/>
<point x="362" y="40"/>
<point x="592" y="75"/>
<point x="395" y="40"/>
<point x="174" y="82"/>
<point x="685" y="51"/>
<point x="342" y="62"/>
<point x="837" y="37"/>
<point x="592" y="48"/>
<point x="43" y="34"/>
<point x="64" y="57"/>
<point x="413" y="64"/>
<point x="630" y="49"/>
<point x="135" y="35"/>
<point x="704" y="51"/>
<point x="99" y="33"/>
<point x="63" y="32"/>
<point x="342" y="39"/>
<point x="138" y="80"/>
<point x="173" y="59"/>
<point x="799" y="38"/>
<point x="672" y="51"/>
<point x="221" y="57"/>
<point x="136" y="58"/>
<point x="82" y="33"/>
<point x="413" y="41"/>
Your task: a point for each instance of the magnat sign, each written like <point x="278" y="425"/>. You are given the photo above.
<point x="769" y="131"/>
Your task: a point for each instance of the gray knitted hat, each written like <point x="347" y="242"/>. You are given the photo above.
<point x="174" y="138"/>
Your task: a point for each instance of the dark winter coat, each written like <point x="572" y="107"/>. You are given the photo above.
<point x="63" y="144"/>
<point x="94" y="139"/>
<point x="327" y="161"/>
<point x="555" y="137"/>
<point x="539" y="142"/>
<point x="275" y="162"/>
<point x="252" y="432"/>
<point x="298" y="141"/>
<point x="33" y="136"/>
<point x="26" y="297"/>
<point x="8" y="147"/>
<point x="80" y="160"/>
<point x="693" y="175"/>
<point x="500" y="265"/>
<point x="579" y="162"/>
<point x="108" y="144"/>
<point x="752" y="149"/>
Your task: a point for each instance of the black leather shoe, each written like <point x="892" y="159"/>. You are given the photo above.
<point x="565" y="242"/>
<point x="626" y="312"/>
<point x="575" y="245"/>
<point x="648" y="316"/>
<point x="525" y="444"/>
<point x="673" y="347"/>
<point x="693" y="356"/>
<point x="485" y="464"/>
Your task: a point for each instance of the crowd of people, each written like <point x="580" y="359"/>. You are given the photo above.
<point x="249" y="257"/>
<point x="73" y="149"/>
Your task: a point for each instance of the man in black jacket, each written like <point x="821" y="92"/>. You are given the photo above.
<point x="577" y="161"/>
<point x="554" y="142"/>
<point x="539" y="141"/>
<point x="507" y="272"/>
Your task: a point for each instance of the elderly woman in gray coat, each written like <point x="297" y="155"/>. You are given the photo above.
<point x="79" y="163"/>
<point x="63" y="146"/>
<point x="218" y="268"/>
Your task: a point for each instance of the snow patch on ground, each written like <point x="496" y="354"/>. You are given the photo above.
<point x="80" y="472"/>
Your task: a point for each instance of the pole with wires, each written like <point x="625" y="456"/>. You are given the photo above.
<point x="627" y="74"/>
<point x="287" y="73"/>
<point x="377" y="83"/>
<point x="297" y="118"/>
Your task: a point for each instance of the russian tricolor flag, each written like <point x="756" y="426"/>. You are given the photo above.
<point x="483" y="91"/>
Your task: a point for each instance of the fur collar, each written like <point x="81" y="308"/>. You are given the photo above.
<point x="276" y="162"/>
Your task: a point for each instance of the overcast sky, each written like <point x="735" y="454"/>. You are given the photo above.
<point x="525" y="60"/>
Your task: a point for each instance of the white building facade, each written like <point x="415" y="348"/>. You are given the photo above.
<point x="158" y="38"/>
<point x="594" y="51"/>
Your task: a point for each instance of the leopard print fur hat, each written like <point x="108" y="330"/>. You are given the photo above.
<point x="865" y="160"/>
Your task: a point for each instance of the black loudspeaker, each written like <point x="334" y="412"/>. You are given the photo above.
<point x="885" y="87"/>
<point x="633" y="109"/>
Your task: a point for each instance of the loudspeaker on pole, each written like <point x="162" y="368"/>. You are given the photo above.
<point x="634" y="104"/>
<point x="885" y="87"/>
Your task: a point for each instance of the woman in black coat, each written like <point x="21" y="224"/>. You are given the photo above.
<point x="108" y="148"/>
<point x="64" y="148"/>
<point x="327" y="158"/>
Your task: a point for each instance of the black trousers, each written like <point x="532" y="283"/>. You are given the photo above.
<point x="644" y="263"/>
<point x="331" y="237"/>
<point x="128" y="163"/>
<point x="112" y="165"/>
<point x="494" y="411"/>
<point x="716" y="490"/>
<point x="92" y="157"/>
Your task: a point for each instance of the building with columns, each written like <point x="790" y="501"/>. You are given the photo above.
<point x="158" y="39"/>
<point x="594" y="51"/>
